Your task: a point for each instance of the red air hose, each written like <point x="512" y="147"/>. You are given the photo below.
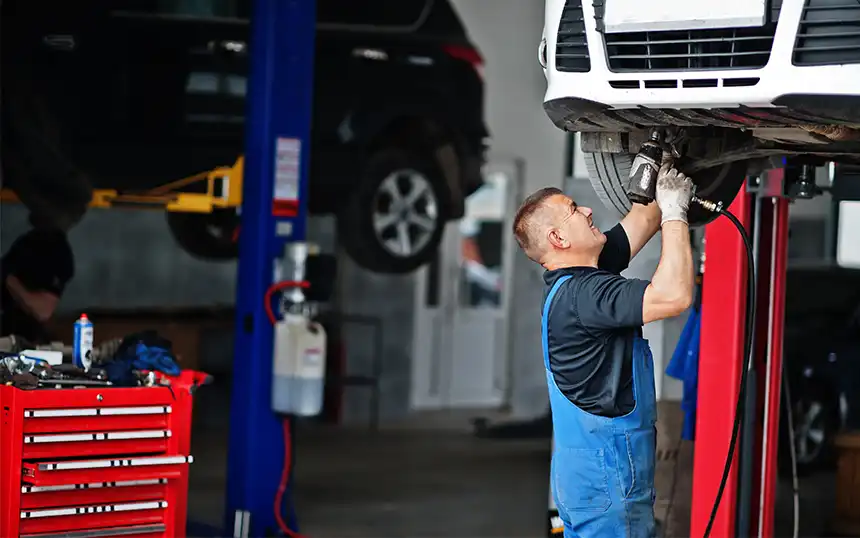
<point x="285" y="480"/>
<point x="288" y="438"/>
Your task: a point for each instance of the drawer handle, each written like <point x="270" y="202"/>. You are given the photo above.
<point x="112" y="436"/>
<point x="107" y="464"/>
<point x="93" y="485"/>
<point x="98" y="411"/>
<point x="104" y="533"/>
<point x="129" y="507"/>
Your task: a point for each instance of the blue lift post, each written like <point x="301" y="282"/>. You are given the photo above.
<point x="274" y="212"/>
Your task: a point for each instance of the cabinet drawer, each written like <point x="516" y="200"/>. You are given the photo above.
<point x="134" y="531"/>
<point x="92" y="517"/>
<point x="77" y="445"/>
<point x="62" y="420"/>
<point x="56" y="473"/>
<point x="33" y="497"/>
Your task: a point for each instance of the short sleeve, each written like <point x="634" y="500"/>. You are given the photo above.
<point x="615" y="256"/>
<point x="606" y="301"/>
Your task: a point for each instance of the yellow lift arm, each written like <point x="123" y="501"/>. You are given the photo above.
<point x="223" y="190"/>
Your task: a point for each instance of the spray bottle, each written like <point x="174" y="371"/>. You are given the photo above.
<point x="83" y="342"/>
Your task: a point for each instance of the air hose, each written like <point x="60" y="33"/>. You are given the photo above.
<point x="748" y="336"/>
<point x="286" y="471"/>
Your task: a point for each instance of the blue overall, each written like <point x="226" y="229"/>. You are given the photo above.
<point x="603" y="468"/>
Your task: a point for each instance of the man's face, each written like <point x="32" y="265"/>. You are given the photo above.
<point x="574" y="225"/>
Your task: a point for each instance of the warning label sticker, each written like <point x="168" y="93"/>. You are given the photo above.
<point x="285" y="196"/>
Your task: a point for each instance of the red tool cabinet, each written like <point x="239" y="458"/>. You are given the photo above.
<point x="96" y="461"/>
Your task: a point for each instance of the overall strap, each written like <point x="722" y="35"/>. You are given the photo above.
<point x="543" y="328"/>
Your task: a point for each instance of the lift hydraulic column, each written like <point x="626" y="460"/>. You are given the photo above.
<point x="747" y="506"/>
<point x="274" y="206"/>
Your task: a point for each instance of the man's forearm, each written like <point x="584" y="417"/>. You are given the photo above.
<point x="671" y="290"/>
<point x="640" y="225"/>
<point x="673" y="279"/>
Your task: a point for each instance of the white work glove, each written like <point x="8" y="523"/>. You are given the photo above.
<point x="674" y="191"/>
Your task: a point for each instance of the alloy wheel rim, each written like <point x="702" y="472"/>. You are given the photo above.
<point x="406" y="213"/>
<point x="809" y="434"/>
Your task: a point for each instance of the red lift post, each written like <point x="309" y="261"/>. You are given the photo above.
<point x="763" y="209"/>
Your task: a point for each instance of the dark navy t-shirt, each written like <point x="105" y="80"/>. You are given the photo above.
<point x="592" y="322"/>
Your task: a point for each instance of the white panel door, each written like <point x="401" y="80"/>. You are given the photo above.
<point x="434" y="316"/>
<point x="462" y="309"/>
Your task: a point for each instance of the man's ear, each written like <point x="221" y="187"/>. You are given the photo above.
<point x="556" y="239"/>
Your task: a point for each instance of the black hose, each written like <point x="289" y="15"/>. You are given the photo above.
<point x="750" y="324"/>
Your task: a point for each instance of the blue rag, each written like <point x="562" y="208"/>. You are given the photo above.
<point x="140" y="357"/>
<point x="684" y="366"/>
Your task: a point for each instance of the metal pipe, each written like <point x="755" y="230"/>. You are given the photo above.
<point x="768" y="380"/>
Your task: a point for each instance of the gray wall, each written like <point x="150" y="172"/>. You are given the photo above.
<point x="128" y="259"/>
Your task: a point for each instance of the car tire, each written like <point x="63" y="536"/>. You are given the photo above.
<point x="394" y="218"/>
<point x="609" y="173"/>
<point x="207" y="236"/>
<point x="816" y="424"/>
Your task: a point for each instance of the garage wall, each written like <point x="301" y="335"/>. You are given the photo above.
<point x="127" y="259"/>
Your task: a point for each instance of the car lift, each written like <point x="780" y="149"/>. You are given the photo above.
<point x="219" y="188"/>
<point x="274" y="209"/>
<point x="747" y="506"/>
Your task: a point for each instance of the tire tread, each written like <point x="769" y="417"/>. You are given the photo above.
<point x="608" y="173"/>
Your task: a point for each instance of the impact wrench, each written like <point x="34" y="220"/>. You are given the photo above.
<point x="642" y="189"/>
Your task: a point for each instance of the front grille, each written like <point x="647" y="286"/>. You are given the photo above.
<point x="829" y="33"/>
<point x="706" y="50"/>
<point x="688" y="83"/>
<point x="571" y="48"/>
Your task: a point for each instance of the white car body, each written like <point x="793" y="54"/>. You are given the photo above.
<point x="774" y="73"/>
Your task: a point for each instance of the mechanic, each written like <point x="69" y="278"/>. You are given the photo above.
<point x="599" y="368"/>
<point x="35" y="271"/>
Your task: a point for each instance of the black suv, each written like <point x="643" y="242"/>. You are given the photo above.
<point x="132" y="94"/>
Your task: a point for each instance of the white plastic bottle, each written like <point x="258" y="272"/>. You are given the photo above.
<point x="299" y="367"/>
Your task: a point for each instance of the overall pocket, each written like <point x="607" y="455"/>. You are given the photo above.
<point x="580" y="481"/>
<point x="637" y="470"/>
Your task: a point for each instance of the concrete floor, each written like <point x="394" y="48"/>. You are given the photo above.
<point x="399" y="482"/>
<point x="432" y="478"/>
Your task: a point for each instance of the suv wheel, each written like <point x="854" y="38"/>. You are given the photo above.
<point x="394" y="218"/>
<point x="609" y="173"/>
<point x="207" y="236"/>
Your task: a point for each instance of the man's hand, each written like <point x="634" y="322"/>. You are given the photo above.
<point x="674" y="192"/>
